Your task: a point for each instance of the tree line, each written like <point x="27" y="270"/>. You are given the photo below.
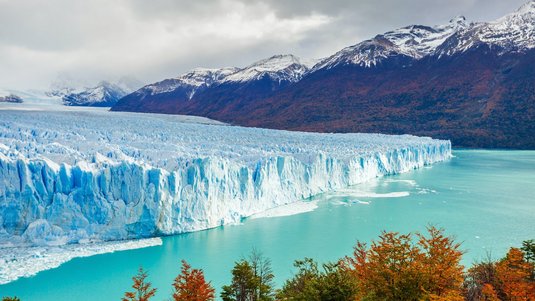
<point x="392" y="268"/>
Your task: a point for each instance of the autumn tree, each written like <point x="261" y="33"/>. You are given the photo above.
<point x="443" y="273"/>
<point x="480" y="282"/>
<point x="397" y="268"/>
<point x="488" y="293"/>
<point x="304" y="284"/>
<point x="509" y="279"/>
<point x="252" y="280"/>
<point x="332" y="282"/>
<point x="336" y="283"/>
<point x="190" y="285"/>
<point x="244" y="283"/>
<point x="388" y="270"/>
<point x="143" y="290"/>
<point x="514" y="273"/>
<point x="261" y="266"/>
<point x="10" y="299"/>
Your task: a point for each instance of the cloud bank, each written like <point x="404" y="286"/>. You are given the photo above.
<point x="151" y="40"/>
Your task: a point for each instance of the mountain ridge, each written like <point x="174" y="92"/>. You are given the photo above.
<point x="459" y="81"/>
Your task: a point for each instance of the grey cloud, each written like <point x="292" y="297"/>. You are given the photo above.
<point x="152" y="40"/>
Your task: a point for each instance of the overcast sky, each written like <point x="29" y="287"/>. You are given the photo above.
<point x="151" y="40"/>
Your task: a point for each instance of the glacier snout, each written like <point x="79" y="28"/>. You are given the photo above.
<point x="121" y="188"/>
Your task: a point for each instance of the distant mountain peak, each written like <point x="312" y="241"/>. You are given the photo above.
<point x="204" y="76"/>
<point x="458" y="20"/>
<point x="528" y="7"/>
<point x="10" y="98"/>
<point x="511" y="33"/>
<point x="188" y="83"/>
<point x="281" y="68"/>
<point x="413" y="41"/>
<point x="277" y="61"/>
<point x="103" y="94"/>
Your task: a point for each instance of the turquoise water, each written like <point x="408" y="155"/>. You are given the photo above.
<point x="485" y="198"/>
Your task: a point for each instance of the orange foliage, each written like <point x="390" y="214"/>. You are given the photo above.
<point x="488" y="293"/>
<point x="142" y="290"/>
<point x="190" y="285"/>
<point x="441" y="267"/>
<point x="514" y="274"/>
<point x="394" y="268"/>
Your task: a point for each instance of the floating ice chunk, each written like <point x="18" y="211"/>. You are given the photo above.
<point x="408" y="182"/>
<point x="26" y="262"/>
<point x="368" y="194"/>
<point x="289" y="209"/>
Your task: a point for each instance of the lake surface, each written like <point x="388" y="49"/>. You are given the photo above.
<point x="484" y="198"/>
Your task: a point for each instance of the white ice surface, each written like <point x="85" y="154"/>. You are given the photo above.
<point x="367" y="194"/>
<point x="25" y="262"/>
<point x="287" y="210"/>
<point x="76" y="175"/>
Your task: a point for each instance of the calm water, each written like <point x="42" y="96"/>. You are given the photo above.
<point x="485" y="198"/>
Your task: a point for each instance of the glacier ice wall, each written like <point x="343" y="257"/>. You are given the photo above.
<point x="78" y="176"/>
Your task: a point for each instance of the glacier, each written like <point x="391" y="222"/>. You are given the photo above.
<point x="79" y="176"/>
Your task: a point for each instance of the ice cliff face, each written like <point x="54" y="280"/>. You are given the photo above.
<point x="68" y="177"/>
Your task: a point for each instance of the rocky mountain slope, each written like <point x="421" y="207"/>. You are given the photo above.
<point x="473" y="83"/>
<point x="201" y="91"/>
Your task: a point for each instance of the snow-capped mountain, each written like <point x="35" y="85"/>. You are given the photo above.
<point x="412" y="42"/>
<point x="280" y="68"/>
<point x="187" y="84"/>
<point x="469" y="82"/>
<point x="104" y="94"/>
<point x="11" y="98"/>
<point x="201" y="88"/>
<point x="513" y="32"/>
